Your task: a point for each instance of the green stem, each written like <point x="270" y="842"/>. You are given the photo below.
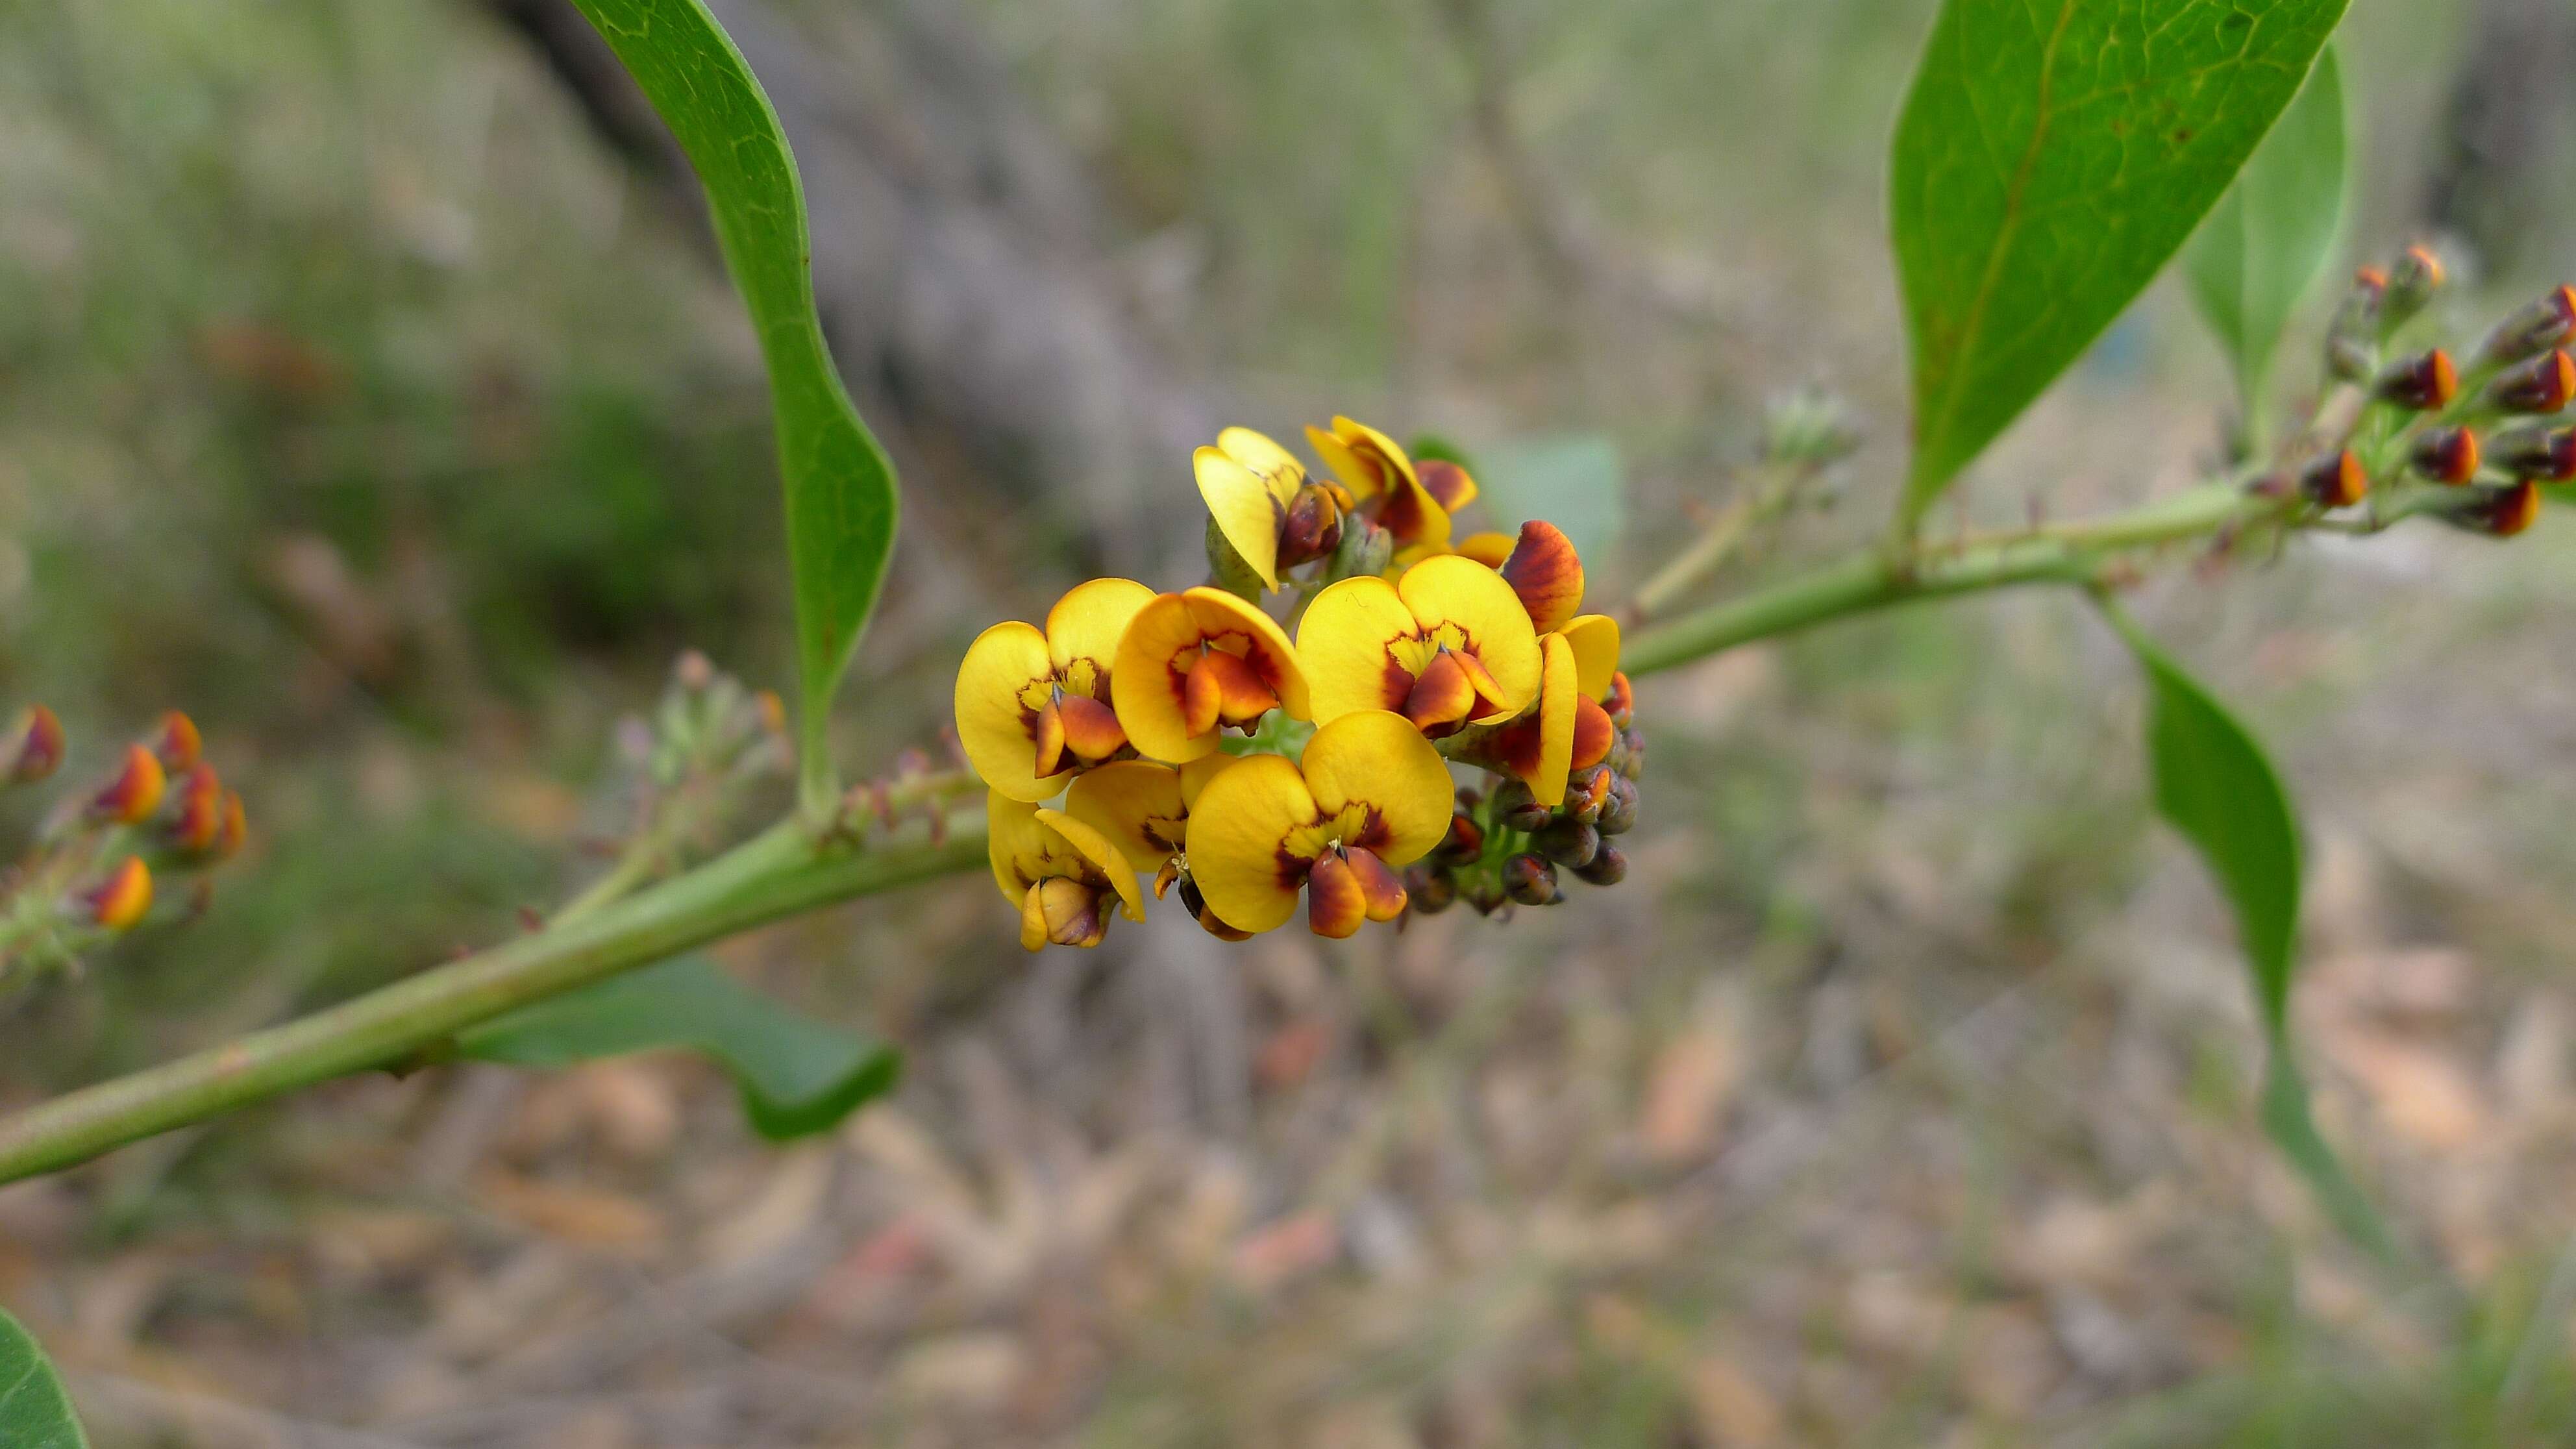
<point x="792" y="869"/>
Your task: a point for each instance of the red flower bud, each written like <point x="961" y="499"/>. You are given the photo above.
<point x="197" y="820"/>
<point x="177" y="744"/>
<point x="2533" y="451"/>
<point x="34" y="746"/>
<point x="2544" y="384"/>
<point x="2446" y="455"/>
<point x="2335" y="482"/>
<point x="2535" y="327"/>
<point x="135" y="793"/>
<point x="2411" y="283"/>
<point x="2422" y="382"/>
<point x="2501" y="512"/>
<point x="119" y="900"/>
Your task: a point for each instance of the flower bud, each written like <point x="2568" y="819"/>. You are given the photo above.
<point x="2535" y="451"/>
<point x="2411" y="283"/>
<point x="1313" y="527"/>
<point x="135" y="793"/>
<point x="1587" y="793"/>
<point x="1429" y="891"/>
<point x="119" y="899"/>
<point x="34" y="747"/>
<point x="234" y="830"/>
<point x="1569" y="842"/>
<point x="1619" y="813"/>
<point x="1619" y="701"/>
<point x="1608" y="868"/>
<point x="1366" y="548"/>
<point x="1465" y="841"/>
<point x="2543" y="384"/>
<point x="2336" y="481"/>
<point x="2421" y="383"/>
<point x="2352" y="340"/>
<point x="1514" y="807"/>
<point x="2500" y="512"/>
<point x="196" y="821"/>
<point x="1635" y="769"/>
<point x="176" y="744"/>
<point x="1530" y="880"/>
<point x="2533" y="328"/>
<point x="2445" y="455"/>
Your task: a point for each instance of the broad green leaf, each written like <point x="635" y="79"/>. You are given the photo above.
<point x="35" y="1413"/>
<point x="2214" y="784"/>
<point x="2259" y="252"/>
<point x="2052" y="155"/>
<point x="1573" y="480"/>
<point x="841" y="499"/>
<point x="797" y="1075"/>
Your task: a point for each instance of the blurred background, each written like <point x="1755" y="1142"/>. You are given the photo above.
<point x="368" y="388"/>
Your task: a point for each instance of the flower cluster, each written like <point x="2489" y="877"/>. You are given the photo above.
<point x="1196" y="743"/>
<point x="90" y="874"/>
<point x="2470" y="442"/>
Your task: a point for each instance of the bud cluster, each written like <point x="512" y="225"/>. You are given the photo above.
<point x="2470" y="442"/>
<point x="1505" y="847"/>
<point x="160" y="810"/>
<point x="707" y="745"/>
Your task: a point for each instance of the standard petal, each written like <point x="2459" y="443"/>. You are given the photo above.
<point x="1138" y="805"/>
<point x="1150" y="685"/>
<point x="1279" y="468"/>
<point x="1344" y="645"/>
<point x="1103" y="855"/>
<point x="1246" y="511"/>
<point x="1238" y="830"/>
<point x="1364" y="478"/>
<point x="1085" y="625"/>
<point x="996" y="721"/>
<point x="1379" y="761"/>
<point x="1454" y="595"/>
<point x="1545" y="573"/>
<point x="1595" y="638"/>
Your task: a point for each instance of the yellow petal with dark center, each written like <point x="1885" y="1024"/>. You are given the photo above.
<point x="1106" y="860"/>
<point x="1381" y="889"/>
<point x="1409" y="511"/>
<point x="1377" y="761"/>
<point x="1238" y="833"/>
<point x="1085" y="625"/>
<point x="1335" y="905"/>
<point x="1345" y="644"/>
<point x="1466" y="605"/>
<point x="1245" y="509"/>
<point x="1151" y="681"/>
<point x="1001" y="685"/>
<point x="1278" y="467"/>
<point x="1595" y="638"/>
<point x="1138" y="805"/>
<point x="1544" y="571"/>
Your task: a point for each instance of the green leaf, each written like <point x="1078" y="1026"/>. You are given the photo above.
<point x="2260" y="251"/>
<point x="797" y="1075"/>
<point x="1573" y="480"/>
<point x="841" y="498"/>
<point x="35" y="1413"/>
<point x="2052" y="155"/>
<point x="2214" y="784"/>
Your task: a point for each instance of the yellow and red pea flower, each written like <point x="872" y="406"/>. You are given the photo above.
<point x="1409" y="503"/>
<point x="1194" y="662"/>
<point x="1446" y="645"/>
<point x="135" y="792"/>
<point x="196" y="824"/>
<point x="119" y="899"/>
<point x="1370" y="796"/>
<point x="1034" y="705"/>
<point x="1249" y="483"/>
<point x="1063" y="876"/>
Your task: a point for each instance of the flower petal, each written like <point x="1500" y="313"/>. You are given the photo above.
<point x="1363" y="477"/>
<point x="1138" y="805"/>
<point x="1409" y="510"/>
<point x="1237" y="832"/>
<point x="1014" y="843"/>
<point x="1091" y="729"/>
<point x="1335" y="904"/>
<point x="1104" y="857"/>
<point x="1344" y="642"/>
<point x="1277" y="467"/>
<point x="1151" y="682"/>
<point x="1379" y="761"/>
<point x="996" y="724"/>
<point x="1544" y="571"/>
<point x="1085" y="625"/>
<point x="1595" y="638"/>
<point x="1454" y="595"/>
<point x="1557" y="698"/>
<point x="1196" y="774"/>
<point x="1488" y="548"/>
<point x="1593" y="734"/>
<point x="1381" y="889"/>
<point x="1245" y="509"/>
<point x="1449" y="485"/>
<point x="1442" y="697"/>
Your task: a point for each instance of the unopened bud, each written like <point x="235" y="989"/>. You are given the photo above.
<point x="176" y="744"/>
<point x="1608" y="868"/>
<point x="1569" y="842"/>
<point x="1365" y="550"/>
<point x="2533" y="328"/>
<point x="1514" y="807"/>
<point x="1619" y="701"/>
<point x="2411" y="283"/>
<point x="1429" y="892"/>
<point x="1465" y="841"/>
<point x="2352" y="341"/>
<point x="135" y="793"/>
<point x="2535" y="451"/>
<point x="1587" y="792"/>
<point x="119" y="900"/>
<point x="1530" y="880"/>
<point x="34" y="746"/>
<point x="2421" y="383"/>
<point x="2542" y="384"/>
<point x="2334" y="482"/>
<point x="2445" y="455"/>
<point x="197" y="816"/>
<point x="1635" y="769"/>
<point x="2500" y="512"/>
<point x="1619" y="813"/>
<point x="1313" y="527"/>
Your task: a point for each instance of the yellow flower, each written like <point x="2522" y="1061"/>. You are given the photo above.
<point x="1446" y="645"/>
<point x="1194" y="662"/>
<point x="1063" y="875"/>
<point x="1370" y="796"/>
<point x="1412" y="501"/>
<point x="1568" y="729"/>
<point x="1144" y="808"/>
<point x="1249" y="483"/>
<point x="1032" y="705"/>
